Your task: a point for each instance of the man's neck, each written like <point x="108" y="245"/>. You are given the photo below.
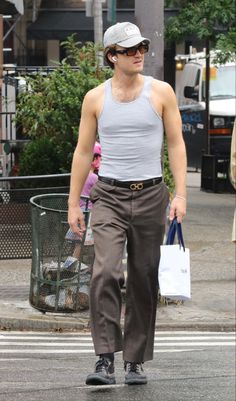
<point x="127" y="89"/>
<point x="121" y="80"/>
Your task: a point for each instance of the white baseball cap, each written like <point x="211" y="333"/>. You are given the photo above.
<point x="123" y="34"/>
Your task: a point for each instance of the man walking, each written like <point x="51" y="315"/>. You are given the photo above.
<point x="130" y="112"/>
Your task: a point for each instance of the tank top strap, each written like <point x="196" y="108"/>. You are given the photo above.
<point x="147" y="86"/>
<point x="108" y="89"/>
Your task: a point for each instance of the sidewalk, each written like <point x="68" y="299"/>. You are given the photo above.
<point x="207" y="232"/>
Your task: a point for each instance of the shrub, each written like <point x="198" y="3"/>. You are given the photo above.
<point x="39" y="155"/>
<point x="51" y="107"/>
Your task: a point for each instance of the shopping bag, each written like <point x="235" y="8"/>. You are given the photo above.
<point x="174" y="267"/>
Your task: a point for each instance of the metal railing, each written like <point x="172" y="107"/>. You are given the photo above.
<point x="15" y="211"/>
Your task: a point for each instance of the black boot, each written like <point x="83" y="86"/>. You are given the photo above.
<point x="134" y="373"/>
<point x="104" y="372"/>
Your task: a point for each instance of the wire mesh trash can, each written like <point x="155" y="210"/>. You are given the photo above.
<point x="61" y="261"/>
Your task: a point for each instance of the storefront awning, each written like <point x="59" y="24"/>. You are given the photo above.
<point x="11" y="7"/>
<point x="58" y="25"/>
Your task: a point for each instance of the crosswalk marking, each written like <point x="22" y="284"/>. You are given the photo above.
<point x="159" y="344"/>
<point x="72" y="351"/>
<point x="89" y="338"/>
<point x="39" y="334"/>
<point x="81" y="343"/>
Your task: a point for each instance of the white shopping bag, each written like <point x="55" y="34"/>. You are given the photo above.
<point x="89" y="234"/>
<point x="174" y="267"/>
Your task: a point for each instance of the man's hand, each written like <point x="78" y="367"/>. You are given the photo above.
<point x="178" y="208"/>
<point x="76" y="220"/>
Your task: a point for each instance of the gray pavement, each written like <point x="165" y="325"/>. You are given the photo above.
<point x="207" y="232"/>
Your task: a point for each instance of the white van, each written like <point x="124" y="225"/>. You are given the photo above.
<point x="190" y="91"/>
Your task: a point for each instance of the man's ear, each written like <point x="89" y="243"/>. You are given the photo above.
<point x="111" y="55"/>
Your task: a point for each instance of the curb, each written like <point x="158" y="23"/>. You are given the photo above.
<point x="35" y="324"/>
<point x="198" y="325"/>
<point x="77" y="324"/>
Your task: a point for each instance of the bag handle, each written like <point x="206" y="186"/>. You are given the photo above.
<point x="175" y="227"/>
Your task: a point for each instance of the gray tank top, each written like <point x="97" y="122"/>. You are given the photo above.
<point x="131" y="136"/>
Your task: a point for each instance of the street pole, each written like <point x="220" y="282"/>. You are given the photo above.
<point x="207" y="85"/>
<point x="1" y="47"/>
<point x="1" y="73"/>
<point x="98" y="27"/>
<point x="150" y="19"/>
<point x="98" y="22"/>
<point x="111" y="11"/>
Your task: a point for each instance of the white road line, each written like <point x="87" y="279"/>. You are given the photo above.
<point x="45" y="351"/>
<point x="83" y="351"/>
<point x="45" y="333"/>
<point x="162" y="351"/>
<point x="197" y="338"/>
<point x="201" y="343"/>
<point x="44" y="343"/>
<point x="102" y="386"/>
<point x="13" y="359"/>
<point x="90" y="344"/>
<point x="88" y="338"/>
<point x="45" y="338"/>
<point x="49" y="344"/>
<point x="87" y="333"/>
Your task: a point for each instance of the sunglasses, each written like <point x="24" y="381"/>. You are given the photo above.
<point x="131" y="51"/>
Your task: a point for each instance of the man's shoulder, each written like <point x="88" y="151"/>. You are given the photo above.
<point x="164" y="91"/>
<point x="93" y="99"/>
<point x="97" y="91"/>
<point x="162" y="85"/>
<point x="162" y="94"/>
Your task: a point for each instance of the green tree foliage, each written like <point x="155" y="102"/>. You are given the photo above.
<point x="47" y="161"/>
<point x="50" y="107"/>
<point x="226" y="45"/>
<point x="207" y="19"/>
<point x="175" y="3"/>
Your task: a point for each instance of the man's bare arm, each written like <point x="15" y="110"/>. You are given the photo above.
<point x="81" y="163"/>
<point x="176" y="151"/>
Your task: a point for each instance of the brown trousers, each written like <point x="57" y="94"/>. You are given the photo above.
<point x="138" y="216"/>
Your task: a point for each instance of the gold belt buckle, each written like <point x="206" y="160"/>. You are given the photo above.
<point x="136" y="186"/>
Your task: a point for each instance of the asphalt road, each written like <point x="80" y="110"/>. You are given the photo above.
<point x="187" y="366"/>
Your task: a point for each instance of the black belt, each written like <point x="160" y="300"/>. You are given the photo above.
<point x="133" y="185"/>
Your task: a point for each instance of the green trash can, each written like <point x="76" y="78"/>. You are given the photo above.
<point x="61" y="261"/>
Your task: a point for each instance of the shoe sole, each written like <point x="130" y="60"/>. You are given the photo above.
<point x="131" y="382"/>
<point x="95" y="380"/>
